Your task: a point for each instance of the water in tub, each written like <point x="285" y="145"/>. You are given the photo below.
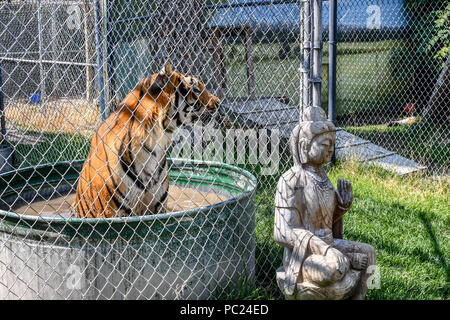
<point x="179" y="199"/>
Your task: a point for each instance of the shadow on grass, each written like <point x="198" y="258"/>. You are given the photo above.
<point x="436" y="247"/>
<point x="414" y="261"/>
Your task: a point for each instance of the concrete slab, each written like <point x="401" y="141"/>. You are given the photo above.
<point x="346" y="140"/>
<point x="272" y="114"/>
<point x="362" y="152"/>
<point x="397" y="164"/>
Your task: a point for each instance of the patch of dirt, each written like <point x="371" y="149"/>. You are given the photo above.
<point x="58" y="116"/>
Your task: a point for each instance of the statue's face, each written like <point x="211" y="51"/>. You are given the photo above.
<point x="321" y="149"/>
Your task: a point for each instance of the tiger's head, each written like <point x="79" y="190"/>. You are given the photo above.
<point x="184" y="98"/>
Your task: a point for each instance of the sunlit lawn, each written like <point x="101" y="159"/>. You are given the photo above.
<point x="406" y="219"/>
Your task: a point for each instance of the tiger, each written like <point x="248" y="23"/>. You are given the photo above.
<point x="126" y="171"/>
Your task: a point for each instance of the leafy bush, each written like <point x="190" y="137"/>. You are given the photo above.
<point x="440" y="42"/>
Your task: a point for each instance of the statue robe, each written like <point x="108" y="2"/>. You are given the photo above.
<point x="303" y="226"/>
<point x="303" y="220"/>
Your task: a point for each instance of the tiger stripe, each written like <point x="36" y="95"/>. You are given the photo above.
<point x="126" y="171"/>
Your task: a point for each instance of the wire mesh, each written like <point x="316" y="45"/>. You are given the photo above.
<point x="390" y="57"/>
<point x="67" y="65"/>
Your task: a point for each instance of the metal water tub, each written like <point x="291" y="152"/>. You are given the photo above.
<point x="181" y="255"/>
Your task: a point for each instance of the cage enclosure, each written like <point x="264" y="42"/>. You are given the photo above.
<point x="190" y="254"/>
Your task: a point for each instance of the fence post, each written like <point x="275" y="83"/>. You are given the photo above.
<point x="338" y="226"/>
<point x="316" y="78"/>
<point x="2" y="110"/>
<point x="249" y="63"/>
<point x="332" y="41"/>
<point x="41" y="65"/>
<point x="6" y="151"/>
<point x="108" y="52"/>
<point x="219" y="63"/>
<point x="100" y="71"/>
<point x="88" y="54"/>
<point x="332" y="56"/>
<point x="306" y="48"/>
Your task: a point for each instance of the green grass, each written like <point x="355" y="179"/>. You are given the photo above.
<point x="273" y="77"/>
<point x="51" y="148"/>
<point x="423" y="142"/>
<point x="406" y="219"/>
<point x="373" y="77"/>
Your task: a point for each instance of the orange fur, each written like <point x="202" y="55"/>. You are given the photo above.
<point x="115" y="179"/>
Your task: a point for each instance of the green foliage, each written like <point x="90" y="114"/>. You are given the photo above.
<point x="407" y="221"/>
<point x="429" y="30"/>
<point x="405" y="218"/>
<point x="440" y="42"/>
<point x="51" y="148"/>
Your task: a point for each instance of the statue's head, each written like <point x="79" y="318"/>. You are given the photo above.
<point x="312" y="140"/>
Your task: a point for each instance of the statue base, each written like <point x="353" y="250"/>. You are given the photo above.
<point x="342" y="290"/>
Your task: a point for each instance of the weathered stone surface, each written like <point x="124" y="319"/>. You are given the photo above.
<point x="308" y="211"/>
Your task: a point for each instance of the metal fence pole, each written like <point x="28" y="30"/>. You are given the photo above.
<point x="88" y="53"/>
<point x="6" y="152"/>
<point x="332" y="55"/>
<point x="316" y="78"/>
<point x="332" y="41"/>
<point x="100" y="71"/>
<point x="109" y="40"/>
<point x="249" y="63"/>
<point x="41" y="65"/>
<point x="306" y="45"/>
<point x="2" y="109"/>
<point x="54" y="40"/>
<point x="300" y="41"/>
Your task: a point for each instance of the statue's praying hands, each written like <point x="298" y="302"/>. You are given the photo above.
<point x="344" y="194"/>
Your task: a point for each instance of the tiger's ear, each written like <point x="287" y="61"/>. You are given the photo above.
<point x="162" y="79"/>
<point x="132" y="98"/>
<point x="167" y="69"/>
<point x="158" y="84"/>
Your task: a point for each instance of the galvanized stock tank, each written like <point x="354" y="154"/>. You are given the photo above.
<point x="179" y="255"/>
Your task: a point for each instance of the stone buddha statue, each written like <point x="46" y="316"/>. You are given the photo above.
<point x="316" y="263"/>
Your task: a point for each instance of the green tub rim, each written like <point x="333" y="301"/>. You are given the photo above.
<point x="23" y="218"/>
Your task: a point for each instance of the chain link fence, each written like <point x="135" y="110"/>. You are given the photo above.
<point x="65" y="68"/>
<point x="388" y="71"/>
<point x="48" y="84"/>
